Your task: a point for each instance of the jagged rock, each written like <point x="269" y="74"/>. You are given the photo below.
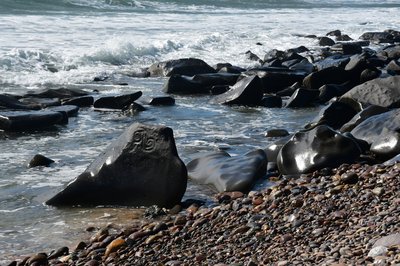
<point x="30" y="120"/>
<point x="184" y="66"/>
<point x="363" y="115"/>
<point x="40" y="160"/>
<point x="228" y="173"/>
<point x="247" y="91"/>
<point x="84" y="101"/>
<point x="315" y="149"/>
<point x="334" y="115"/>
<point x="117" y="102"/>
<point x="381" y="91"/>
<point x="302" y="98"/>
<point x="140" y="168"/>
<point x="61" y="93"/>
<point x="330" y="75"/>
<point x="371" y="128"/>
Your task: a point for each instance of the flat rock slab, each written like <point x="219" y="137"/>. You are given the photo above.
<point x="228" y="173"/>
<point x="117" y="102"/>
<point x="140" y="168"/>
<point x="84" y="101"/>
<point x="315" y="149"/>
<point x="247" y="91"/>
<point x="11" y="102"/>
<point x="30" y="120"/>
<point x="70" y="110"/>
<point x="383" y="92"/>
<point x="61" y="93"/>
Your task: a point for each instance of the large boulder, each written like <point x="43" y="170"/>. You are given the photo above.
<point x="383" y="92"/>
<point x="228" y="173"/>
<point x="184" y="66"/>
<point x="371" y="128"/>
<point x="140" y="168"/>
<point x="362" y="115"/>
<point x="330" y="75"/>
<point x="117" y="102"/>
<point x="30" y="120"/>
<point x="302" y="98"/>
<point x="315" y="149"/>
<point x="247" y="91"/>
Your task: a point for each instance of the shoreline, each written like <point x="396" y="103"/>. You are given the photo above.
<point x="329" y="217"/>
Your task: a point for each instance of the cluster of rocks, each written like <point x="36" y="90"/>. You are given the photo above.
<point x="336" y="216"/>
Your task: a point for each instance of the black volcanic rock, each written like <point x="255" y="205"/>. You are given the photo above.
<point x="117" y="102"/>
<point x="330" y="75"/>
<point x="40" y="160"/>
<point x="140" y="168"/>
<point x="302" y="98"/>
<point x="11" y="102"/>
<point x="184" y="66"/>
<point x="61" y="93"/>
<point x="84" y="101"/>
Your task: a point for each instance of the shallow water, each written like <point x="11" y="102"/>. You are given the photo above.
<point x="83" y="39"/>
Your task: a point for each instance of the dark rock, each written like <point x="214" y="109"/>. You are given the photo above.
<point x="253" y="57"/>
<point x="343" y="38"/>
<point x="228" y="173"/>
<point x="381" y="91"/>
<point x="387" y="144"/>
<point x="299" y="49"/>
<point x="161" y="101"/>
<point x="350" y="178"/>
<point x="232" y="70"/>
<point x="330" y="75"/>
<point x="11" y="102"/>
<point x="302" y="98"/>
<point x="276" y="79"/>
<point x="330" y="91"/>
<point x="84" y="101"/>
<point x="61" y="93"/>
<point x="337" y="60"/>
<point x="326" y="41"/>
<point x="369" y="74"/>
<point x="39" y="259"/>
<point x="42" y="102"/>
<point x="185" y="66"/>
<point x="141" y="168"/>
<point x="395" y="159"/>
<point x="29" y="120"/>
<point x="133" y="108"/>
<point x="347" y="48"/>
<point x="315" y="149"/>
<point x="377" y="37"/>
<point x="392" y="52"/>
<point x="219" y="89"/>
<point x="357" y="64"/>
<point x="271" y="101"/>
<point x="247" y="91"/>
<point x="371" y="128"/>
<point x="304" y="66"/>
<point x="334" y="33"/>
<point x="334" y="115"/>
<point x="70" y="110"/>
<point x="59" y="252"/>
<point x="273" y="133"/>
<point x="198" y="84"/>
<point x="393" y="67"/>
<point x="40" y="160"/>
<point x="272" y="150"/>
<point x="117" y="102"/>
<point x="361" y="116"/>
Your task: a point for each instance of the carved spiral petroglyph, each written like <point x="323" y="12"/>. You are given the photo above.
<point x="143" y="141"/>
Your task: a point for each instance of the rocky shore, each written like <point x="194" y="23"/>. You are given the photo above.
<point x="334" y="201"/>
<point x="342" y="216"/>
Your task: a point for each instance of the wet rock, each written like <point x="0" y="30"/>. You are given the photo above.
<point x="387" y="144"/>
<point x="114" y="246"/>
<point x="140" y="168"/>
<point x="330" y="91"/>
<point x="274" y="133"/>
<point x="42" y="102"/>
<point x="39" y="259"/>
<point x="334" y="115"/>
<point x="160" y="101"/>
<point x="369" y="74"/>
<point x="30" y="120"/>
<point x="302" y="98"/>
<point x="117" y="102"/>
<point x="334" y="33"/>
<point x="377" y="37"/>
<point x="247" y="91"/>
<point x="392" y="52"/>
<point x="228" y="173"/>
<point x="70" y="110"/>
<point x="336" y="60"/>
<point x="133" y="109"/>
<point x="59" y="252"/>
<point x="303" y="66"/>
<point x="11" y="102"/>
<point x="326" y="41"/>
<point x="343" y="38"/>
<point x="371" y="128"/>
<point x="315" y="149"/>
<point x="361" y="116"/>
<point x="252" y="56"/>
<point x="393" y="67"/>
<point x="381" y="91"/>
<point x="40" y="160"/>
<point x="184" y="66"/>
<point x="350" y="178"/>
<point x="348" y="48"/>
<point x="84" y="101"/>
<point x="271" y="101"/>
<point x="330" y="75"/>
<point x="61" y="93"/>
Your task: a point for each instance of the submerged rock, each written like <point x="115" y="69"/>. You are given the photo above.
<point x="61" y="93"/>
<point x="40" y="160"/>
<point x="140" y="168"/>
<point x="30" y="120"/>
<point x="10" y="102"/>
<point x="228" y="173"/>
<point x="315" y="149"/>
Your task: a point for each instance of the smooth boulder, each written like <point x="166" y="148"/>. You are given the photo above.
<point x="315" y="149"/>
<point x="140" y="168"/>
<point x="382" y="92"/>
<point x="184" y="66"/>
<point x="30" y="120"/>
<point x="247" y="91"/>
<point x="228" y="173"/>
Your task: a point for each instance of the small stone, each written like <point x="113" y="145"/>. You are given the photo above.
<point x="114" y="246"/>
<point x="349" y="178"/>
<point x="378" y="191"/>
<point x="175" y="210"/>
<point x="180" y="220"/>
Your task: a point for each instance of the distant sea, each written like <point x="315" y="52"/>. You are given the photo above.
<point x="66" y="43"/>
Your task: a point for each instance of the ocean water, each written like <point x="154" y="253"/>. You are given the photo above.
<point x="66" y="43"/>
